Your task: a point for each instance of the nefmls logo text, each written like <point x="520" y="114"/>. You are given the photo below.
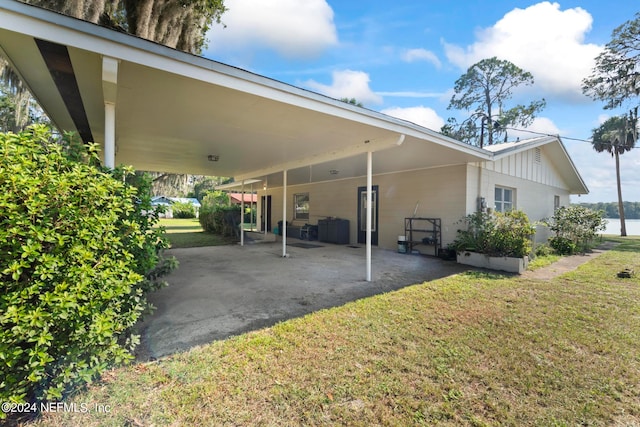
<point x="73" y="407"/>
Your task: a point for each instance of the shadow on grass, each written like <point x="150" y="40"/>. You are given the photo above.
<point x="626" y="244"/>
<point x="170" y="228"/>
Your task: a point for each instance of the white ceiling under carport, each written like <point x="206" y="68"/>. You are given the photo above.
<point x="174" y="110"/>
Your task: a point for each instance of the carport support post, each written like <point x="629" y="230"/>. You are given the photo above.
<point x="264" y="205"/>
<point x="242" y="214"/>
<point x="368" y="207"/>
<point x="110" y="135"/>
<point x="109" y="93"/>
<point x="284" y="213"/>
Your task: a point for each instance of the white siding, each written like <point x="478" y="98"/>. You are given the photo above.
<point x="531" y="175"/>
<point x="448" y="193"/>
<point x="439" y="193"/>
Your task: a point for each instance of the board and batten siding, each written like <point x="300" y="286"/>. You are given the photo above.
<point x="530" y="174"/>
<point x="531" y="165"/>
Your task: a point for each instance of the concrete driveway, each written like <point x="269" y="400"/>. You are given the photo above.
<point x="222" y="291"/>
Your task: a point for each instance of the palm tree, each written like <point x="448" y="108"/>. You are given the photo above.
<point x="616" y="136"/>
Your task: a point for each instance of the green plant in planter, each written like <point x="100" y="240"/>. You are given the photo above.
<point x="511" y="235"/>
<point x="496" y="234"/>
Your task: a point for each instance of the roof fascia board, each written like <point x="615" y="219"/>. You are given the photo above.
<point x="497" y="155"/>
<point x="236" y="185"/>
<point x="49" y="25"/>
<point x="538" y="142"/>
<point x="573" y="166"/>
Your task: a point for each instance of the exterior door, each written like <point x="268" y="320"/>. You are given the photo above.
<point x="266" y="211"/>
<point x="362" y="215"/>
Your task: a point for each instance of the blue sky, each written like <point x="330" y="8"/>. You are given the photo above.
<point x="403" y="57"/>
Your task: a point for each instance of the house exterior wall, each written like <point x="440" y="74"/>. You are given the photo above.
<point x="530" y="174"/>
<point x="438" y="193"/>
<point x="449" y="193"/>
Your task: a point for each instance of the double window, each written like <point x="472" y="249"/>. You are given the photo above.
<point x="504" y="199"/>
<point x="301" y="206"/>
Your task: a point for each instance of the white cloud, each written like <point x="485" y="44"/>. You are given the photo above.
<point x="293" y="28"/>
<point x="420" y="115"/>
<point x="347" y="84"/>
<point x="412" y="55"/>
<point x="541" y="39"/>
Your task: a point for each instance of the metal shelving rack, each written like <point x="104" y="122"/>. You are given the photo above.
<point x="429" y="228"/>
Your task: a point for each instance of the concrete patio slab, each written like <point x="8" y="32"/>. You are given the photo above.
<point x="223" y="291"/>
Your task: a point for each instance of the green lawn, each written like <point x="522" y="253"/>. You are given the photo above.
<point x="473" y="349"/>
<point x="187" y="233"/>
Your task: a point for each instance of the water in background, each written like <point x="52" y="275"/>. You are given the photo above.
<point x="613" y="226"/>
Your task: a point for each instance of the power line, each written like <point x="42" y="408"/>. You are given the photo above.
<point x="549" y="134"/>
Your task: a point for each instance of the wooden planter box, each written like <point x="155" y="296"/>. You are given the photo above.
<point x="475" y="259"/>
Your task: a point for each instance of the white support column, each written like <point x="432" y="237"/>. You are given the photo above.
<point x="242" y="214"/>
<point x="251" y="208"/>
<point x="110" y="135"/>
<point x="369" y="213"/>
<point x="284" y="213"/>
<point x="109" y="93"/>
<point x="265" y="205"/>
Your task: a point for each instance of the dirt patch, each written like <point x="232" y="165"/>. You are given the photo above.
<point x="568" y="263"/>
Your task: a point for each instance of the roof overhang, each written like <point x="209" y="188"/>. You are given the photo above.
<point x="181" y="113"/>
<point x="557" y="154"/>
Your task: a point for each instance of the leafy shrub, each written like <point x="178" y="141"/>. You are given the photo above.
<point x="479" y="226"/>
<point x="216" y="216"/>
<point x="183" y="210"/>
<point x="576" y="227"/>
<point x="77" y="255"/>
<point x="543" y="250"/>
<point x="496" y="234"/>
<point x="562" y="245"/>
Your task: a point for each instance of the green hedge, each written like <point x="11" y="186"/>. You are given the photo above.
<point x="78" y="253"/>
<point x="216" y="216"/>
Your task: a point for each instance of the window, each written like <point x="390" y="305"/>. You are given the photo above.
<point x="556" y="203"/>
<point x="503" y="199"/>
<point x="301" y="206"/>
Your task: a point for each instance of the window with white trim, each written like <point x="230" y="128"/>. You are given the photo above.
<point x="301" y="206"/>
<point x="504" y="199"/>
<point x="556" y="203"/>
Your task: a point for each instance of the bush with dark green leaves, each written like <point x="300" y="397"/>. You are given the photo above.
<point x="496" y="234"/>
<point x="78" y="253"/>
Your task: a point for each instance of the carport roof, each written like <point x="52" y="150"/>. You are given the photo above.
<point x="176" y="111"/>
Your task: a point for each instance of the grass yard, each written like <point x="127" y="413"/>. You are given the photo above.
<point x="474" y="349"/>
<point x="187" y="233"/>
